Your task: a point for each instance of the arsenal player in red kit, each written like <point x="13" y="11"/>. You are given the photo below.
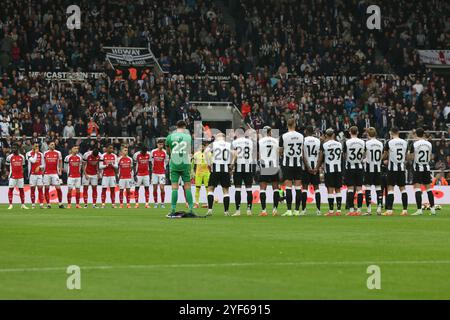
<point x="108" y="163"/>
<point x="91" y="160"/>
<point x="125" y="164"/>
<point x="52" y="172"/>
<point x="159" y="159"/>
<point x="142" y="161"/>
<point x="16" y="161"/>
<point x="35" y="165"/>
<point x="73" y="168"/>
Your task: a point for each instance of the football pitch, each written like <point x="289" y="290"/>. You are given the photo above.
<point x="140" y="254"/>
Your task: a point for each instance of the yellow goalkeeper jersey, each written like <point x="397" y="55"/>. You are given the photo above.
<point x="200" y="160"/>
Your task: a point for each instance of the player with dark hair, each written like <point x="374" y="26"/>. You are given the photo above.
<point x="15" y="163"/>
<point x="108" y="163"/>
<point x="311" y="149"/>
<point x="142" y="160"/>
<point x="395" y="152"/>
<point x="421" y="153"/>
<point x="179" y="144"/>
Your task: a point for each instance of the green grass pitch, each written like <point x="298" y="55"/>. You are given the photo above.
<point x="140" y="254"/>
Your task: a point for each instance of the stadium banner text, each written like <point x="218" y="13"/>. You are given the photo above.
<point x="66" y="76"/>
<point x="441" y="57"/>
<point x="441" y="194"/>
<point x="129" y="57"/>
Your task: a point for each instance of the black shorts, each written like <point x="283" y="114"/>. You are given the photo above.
<point x="219" y="178"/>
<point x="354" y="177"/>
<point x="246" y="177"/>
<point x="396" y="178"/>
<point x="372" y="178"/>
<point x="422" y="177"/>
<point x="292" y="173"/>
<point x="310" y="179"/>
<point x="333" y="180"/>
<point x="269" y="178"/>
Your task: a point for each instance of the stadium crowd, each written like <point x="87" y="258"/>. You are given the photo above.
<point x="313" y="60"/>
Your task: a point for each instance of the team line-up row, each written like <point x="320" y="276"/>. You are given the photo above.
<point x="355" y="161"/>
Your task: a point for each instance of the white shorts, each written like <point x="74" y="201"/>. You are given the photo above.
<point x="15" y="183"/>
<point x="36" y="180"/>
<point x="125" y="183"/>
<point x="90" y="180"/>
<point x="142" y="181"/>
<point x="109" y="182"/>
<point x="52" y="180"/>
<point x="158" y="178"/>
<point x="74" y="183"/>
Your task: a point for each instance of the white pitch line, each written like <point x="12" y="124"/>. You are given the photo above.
<point x="231" y="264"/>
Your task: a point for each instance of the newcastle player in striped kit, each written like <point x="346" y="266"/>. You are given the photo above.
<point x="395" y="152"/>
<point x="269" y="164"/>
<point x="421" y="152"/>
<point x="331" y="156"/>
<point x="291" y="148"/>
<point x="353" y="149"/>
<point x="243" y="171"/>
<point x="372" y="175"/>
<point x="218" y="156"/>
<point x="311" y="148"/>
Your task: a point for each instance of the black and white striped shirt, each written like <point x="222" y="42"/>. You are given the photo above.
<point x="311" y="151"/>
<point x="292" y="144"/>
<point x="244" y="154"/>
<point x="374" y="153"/>
<point x="422" y="150"/>
<point x="354" y="153"/>
<point x="397" y="154"/>
<point x="332" y="153"/>
<point x="268" y="152"/>
<point x="220" y="156"/>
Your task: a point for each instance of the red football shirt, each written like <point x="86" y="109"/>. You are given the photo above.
<point x="91" y="163"/>
<point x="73" y="163"/>
<point x="125" y="167"/>
<point x="109" y="164"/>
<point x="142" y="161"/>
<point x="159" y="160"/>
<point x="32" y="166"/>
<point x="51" y="160"/>
<point x="16" y="163"/>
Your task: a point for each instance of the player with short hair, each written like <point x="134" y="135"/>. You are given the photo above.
<point x="242" y="148"/>
<point x="395" y="152"/>
<point x="202" y="174"/>
<point x="91" y="169"/>
<point x="331" y="157"/>
<point x="353" y="150"/>
<point x="219" y="158"/>
<point x="421" y="152"/>
<point x="373" y="169"/>
<point x="53" y="164"/>
<point x="15" y="163"/>
<point x="159" y="160"/>
<point x="108" y="164"/>
<point x="291" y="148"/>
<point x="125" y="165"/>
<point x="141" y="160"/>
<point x="73" y="164"/>
<point x="270" y="167"/>
<point x="179" y="144"/>
<point x="35" y="165"/>
<point x="311" y="149"/>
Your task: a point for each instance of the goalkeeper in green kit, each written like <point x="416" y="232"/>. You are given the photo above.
<point x="179" y="145"/>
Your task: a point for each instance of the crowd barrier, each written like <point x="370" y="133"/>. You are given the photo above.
<point x="441" y="194"/>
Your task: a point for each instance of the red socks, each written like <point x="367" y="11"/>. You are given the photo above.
<point x="33" y="194"/>
<point x="10" y="195"/>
